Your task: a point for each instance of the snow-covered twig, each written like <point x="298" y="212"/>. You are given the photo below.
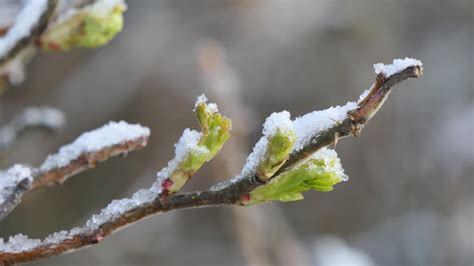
<point x="14" y="182"/>
<point x="55" y="26"/>
<point x="30" y="22"/>
<point x="147" y="202"/>
<point x="30" y="117"/>
<point x="113" y="139"/>
<point x="352" y="123"/>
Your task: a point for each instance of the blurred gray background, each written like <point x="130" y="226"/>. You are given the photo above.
<point x="409" y="199"/>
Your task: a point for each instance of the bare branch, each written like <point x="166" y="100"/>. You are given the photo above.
<point x="148" y="202"/>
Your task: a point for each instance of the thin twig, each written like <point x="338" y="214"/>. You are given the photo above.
<point x="21" y="42"/>
<point x="59" y="175"/>
<point x="353" y="125"/>
<point x="226" y="195"/>
<point x="84" y="162"/>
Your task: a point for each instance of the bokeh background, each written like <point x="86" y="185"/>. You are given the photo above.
<point x="410" y="196"/>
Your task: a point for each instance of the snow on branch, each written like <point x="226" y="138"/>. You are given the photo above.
<point x="272" y="150"/>
<point x="29" y="23"/>
<point x="396" y="66"/>
<point x="348" y="120"/>
<point x="54" y="25"/>
<point x="30" y="117"/>
<point x="289" y="171"/>
<point x="13" y="183"/>
<point x="94" y="146"/>
<point x="195" y="148"/>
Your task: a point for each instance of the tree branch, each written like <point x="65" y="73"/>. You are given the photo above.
<point x="148" y="202"/>
<point x="356" y="120"/>
<point x="50" y="174"/>
<point x="28" y="26"/>
<point x="58" y="176"/>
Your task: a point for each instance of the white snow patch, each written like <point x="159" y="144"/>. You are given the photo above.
<point x="254" y="158"/>
<point x="275" y="121"/>
<point x="57" y="237"/>
<point x="108" y="135"/>
<point x="332" y="163"/>
<point x="313" y="123"/>
<point x="188" y="142"/>
<point x="24" y="23"/>
<point x="115" y="209"/>
<point x="363" y="95"/>
<point x="212" y="107"/>
<point x="10" y="178"/>
<point x="118" y="207"/>
<point x="200" y="99"/>
<point x="396" y="66"/>
<point x="272" y="123"/>
<point x="18" y="243"/>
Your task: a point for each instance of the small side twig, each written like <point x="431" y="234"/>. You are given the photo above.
<point x="53" y="172"/>
<point x="29" y="25"/>
<point x="58" y="176"/>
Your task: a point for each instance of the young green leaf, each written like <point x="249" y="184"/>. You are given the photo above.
<point x="278" y="149"/>
<point x="91" y="26"/>
<point x="201" y="147"/>
<point x="321" y="172"/>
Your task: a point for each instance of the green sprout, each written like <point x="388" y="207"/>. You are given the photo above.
<point x="321" y="172"/>
<point x="215" y="131"/>
<point x="89" y="27"/>
<point x="278" y="149"/>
